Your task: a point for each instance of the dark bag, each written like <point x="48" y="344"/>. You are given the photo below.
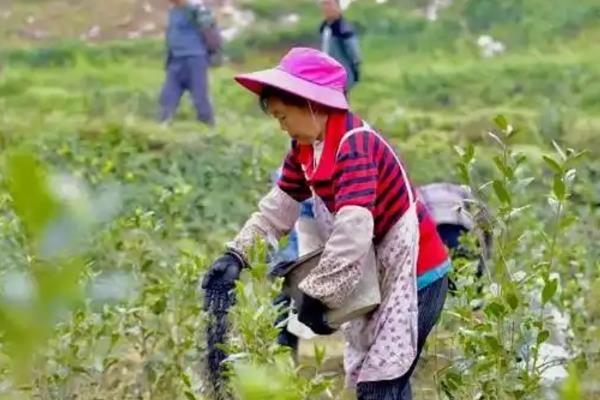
<point x="212" y="38"/>
<point x="211" y="33"/>
<point x="214" y="44"/>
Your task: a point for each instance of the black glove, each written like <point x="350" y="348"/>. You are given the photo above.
<point x="224" y="271"/>
<point x="280" y="269"/>
<point x="312" y="314"/>
<point x="285" y="337"/>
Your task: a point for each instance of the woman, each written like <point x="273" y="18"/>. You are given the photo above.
<point x="362" y="198"/>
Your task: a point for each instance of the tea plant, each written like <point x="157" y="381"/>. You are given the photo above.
<point x="532" y="261"/>
<point x="261" y="368"/>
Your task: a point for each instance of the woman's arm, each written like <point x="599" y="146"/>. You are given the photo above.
<point x="351" y="46"/>
<point x="340" y="267"/>
<point x="278" y="210"/>
<point x="277" y="213"/>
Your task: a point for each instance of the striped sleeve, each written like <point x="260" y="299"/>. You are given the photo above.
<point x="355" y="174"/>
<point x="292" y="180"/>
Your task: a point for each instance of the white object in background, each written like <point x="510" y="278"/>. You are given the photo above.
<point x="344" y="4"/>
<point x="94" y="32"/>
<point x="557" y="357"/>
<point x="290" y="19"/>
<point x="235" y="21"/>
<point x="489" y="46"/>
<point x="433" y="8"/>
<point x="148" y="8"/>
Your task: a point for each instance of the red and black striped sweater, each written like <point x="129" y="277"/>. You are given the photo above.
<point x="363" y="172"/>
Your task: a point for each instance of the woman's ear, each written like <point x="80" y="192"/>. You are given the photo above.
<point x="317" y="108"/>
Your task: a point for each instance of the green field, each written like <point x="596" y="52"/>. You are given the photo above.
<point x="107" y="218"/>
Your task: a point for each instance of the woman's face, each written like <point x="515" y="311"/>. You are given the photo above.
<point x="330" y="9"/>
<point x="302" y="124"/>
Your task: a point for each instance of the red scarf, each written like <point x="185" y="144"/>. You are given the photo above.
<point x="334" y="131"/>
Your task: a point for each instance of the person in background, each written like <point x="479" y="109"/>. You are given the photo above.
<point x="187" y="60"/>
<point x="339" y="40"/>
<point x="457" y="212"/>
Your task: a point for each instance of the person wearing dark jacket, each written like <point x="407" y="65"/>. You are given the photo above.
<point x="339" y="40"/>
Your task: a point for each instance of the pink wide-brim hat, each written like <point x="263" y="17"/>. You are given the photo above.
<point x="308" y="73"/>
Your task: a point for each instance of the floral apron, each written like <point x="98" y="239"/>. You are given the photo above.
<point x="383" y="344"/>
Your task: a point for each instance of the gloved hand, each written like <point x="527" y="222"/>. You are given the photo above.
<point x="312" y="314"/>
<point x="285" y="337"/>
<point x="224" y="271"/>
<point x="280" y="269"/>
<point x="282" y="302"/>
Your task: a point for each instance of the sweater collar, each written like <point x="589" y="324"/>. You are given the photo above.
<point x="337" y="125"/>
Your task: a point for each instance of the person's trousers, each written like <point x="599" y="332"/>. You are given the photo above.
<point x="431" y="303"/>
<point x="187" y="74"/>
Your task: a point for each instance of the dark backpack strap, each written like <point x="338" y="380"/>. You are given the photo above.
<point x="349" y="121"/>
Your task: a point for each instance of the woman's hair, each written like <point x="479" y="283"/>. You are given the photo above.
<point x="286" y="98"/>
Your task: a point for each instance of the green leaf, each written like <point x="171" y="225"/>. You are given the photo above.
<point x="559" y="188"/>
<point x="542" y="336"/>
<point x="579" y="155"/>
<point x="469" y="153"/>
<point x="549" y="290"/>
<point x="495" y="310"/>
<point x="497" y="139"/>
<point x="553" y="164"/>
<point x="501" y="122"/>
<point x="571" y="388"/>
<point x="32" y="199"/>
<point x="493" y="343"/>
<point x="463" y="173"/>
<point x="186" y="380"/>
<point x="190" y="396"/>
<point x="319" y="355"/>
<point x="109" y="362"/>
<point x="501" y="192"/>
<point x="559" y="150"/>
<point x="159" y="306"/>
<point x="80" y="370"/>
<point x="512" y="300"/>
<point x="511" y="131"/>
<point x="506" y="170"/>
<point x="520" y="158"/>
<point x="460" y="151"/>
<point x="453" y="381"/>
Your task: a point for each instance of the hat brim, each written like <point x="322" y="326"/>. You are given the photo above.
<point x="256" y="81"/>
